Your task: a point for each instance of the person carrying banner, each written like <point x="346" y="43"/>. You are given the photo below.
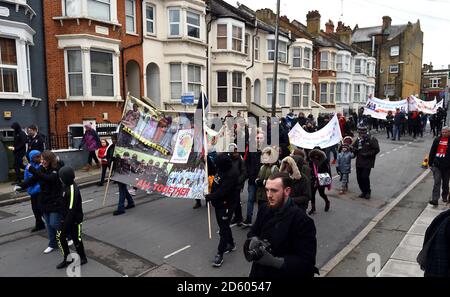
<point x="399" y="119"/>
<point x="365" y="148"/>
<point x="440" y="166"/>
<point x="320" y="166"/>
<point x="72" y="218"/>
<point x="282" y="242"/>
<point x="390" y="125"/>
<point x="223" y="198"/>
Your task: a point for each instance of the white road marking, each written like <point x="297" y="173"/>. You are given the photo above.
<point x="388" y="153"/>
<point x="87" y="201"/>
<point x="410" y="142"/>
<point x="177" y="251"/>
<point x="21" y="219"/>
<point x="395" y="150"/>
<point x="381" y="156"/>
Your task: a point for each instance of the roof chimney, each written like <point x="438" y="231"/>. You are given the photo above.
<point x="313" y="22"/>
<point x="386" y="22"/>
<point x="329" y="26"/>
<point x="344" y="33"/>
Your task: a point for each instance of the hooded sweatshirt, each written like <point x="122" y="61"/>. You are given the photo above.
<point x="34" y="188"/>
<point x="225" y="185"/>
<point x="20" y="139"/>
<point x="72" y="209"/>
<point x="301" y="185"/>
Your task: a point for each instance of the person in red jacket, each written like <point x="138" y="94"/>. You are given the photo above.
<point x="102" y="155"/>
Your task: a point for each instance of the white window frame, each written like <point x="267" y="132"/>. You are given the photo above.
<point x="147" y="20"/>
<point x="240" y="39"/>
<point x="236" y="88"/>
<point x="269" y="91"/>
<point x="297" y="95"/>
<point x="104" y="2"/>
<point x="298" y="57"/>
<point x="222" y="36"/>
<point x="199" y="26"/>
<point x="257" y="48"/>
<point x="307" y="61"/>
<point x="282" y="91"/>
<point x="247" y="44"/>
<point x="280" y="52"/>
<point x="324" y="95"/>
<point x="339" y="92"/>
<point x="332" y="91"/>
<point x="193" y="83"/>
<point x="306" y="94"/>
<point x="83" y="74"/>
<point x="357" y="92"/>
<point x="270" y="41"/>
<point x="83" y="10"/>
<point x="180" y="33"/>
<point x="11" y="67"/>
<point x="132" y="16"/>
<point x="173" y="81"/>
<point x="332" y="65"/>
<point x="340" y="62"/>
<point x="435" y="82"/>
<point x="358" y="68"/>
<point x="393" y="68"/>
<point x="394" y="50"/>
<point x="324" y="62"/>
<point x="91" y="74"/>
<point x="222" y="87"/>
<point x="347" y="63"/>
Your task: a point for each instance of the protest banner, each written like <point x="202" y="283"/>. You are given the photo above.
<point x="154" y="152"/>
<point x="325" y="137"/>
<point x="427" y="107"/>
<point x="379" y="109"/>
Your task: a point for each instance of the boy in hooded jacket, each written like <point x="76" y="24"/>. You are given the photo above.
<point x="34" y="190"/>
<point x="72" y="217"/>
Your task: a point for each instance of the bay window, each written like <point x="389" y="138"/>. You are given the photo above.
<point x="236" y="39"/>
<point x="358" y="66"/>
<point x="339" y="64"/>
<point x="307" y="58"/>
<point x="102" y="75"/>
<point x="222" y="34"/>
<point x="282" y="92"/>
<point x="282" y="51"/>
<point x="296" y="94"/>
<point x="269" y="89"/>
<point x="323" y="92"/>
<point x="324" y="61"/>
<point x="339" y="92"/>
<point x="332" y="65"/>
<point x="305" y="100"/>
<point x="75" y="73"/>
<point x="357" y="93"/>
<point x="332" y="92"/>
<point x="174" y="22"/>
<point x="194" y="80"/>
<point x="297" y="57"/>
<point x="175" y="81"/>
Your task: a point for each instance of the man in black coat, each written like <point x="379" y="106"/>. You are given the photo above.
<point x="223" y="197"/>
<point x="283" y="236"/>
<point x="366" y="148"/>
<point x="20" y="142"/>
<point x="439" y="161"/>
<point x="35" y="140"/>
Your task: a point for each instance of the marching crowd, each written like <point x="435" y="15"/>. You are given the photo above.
<point x="283" y="180"/>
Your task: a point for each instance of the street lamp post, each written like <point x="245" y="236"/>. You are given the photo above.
<point x="275" y="64"/>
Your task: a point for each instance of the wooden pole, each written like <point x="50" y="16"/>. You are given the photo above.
<point x="107" y="184"/>
<point x="205" y="148"/>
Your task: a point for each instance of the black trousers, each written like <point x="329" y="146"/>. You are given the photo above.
<point x="37" y="210"/>
<point x="223" y="216"/>
<point x="92" y="156"/>
<point x="363" y="177"/>
<point x="238" y="209"/>
<point x="322" y="194"/>
<point x="74" y="230"/>
<point x="104" y="169"/>
<point x="18" y="164"/>
<point x="389" y="131"/>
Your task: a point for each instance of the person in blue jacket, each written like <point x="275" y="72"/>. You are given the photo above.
<point x="34" y="190"/>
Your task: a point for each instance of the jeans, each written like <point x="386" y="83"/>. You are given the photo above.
<point x="124" y="194"/>
<point x="223" y="216"/>
<point x="440" y="176"/>
<point x="397" y="131"/>
<point x="390" y="133"/>
<point x="344" y="180"/>
<point x="251" y="201"/>
<point x="53" y="221"/>
<point x="363" y="177"/>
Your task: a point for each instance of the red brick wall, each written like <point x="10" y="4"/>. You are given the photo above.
<point x="74" y="112"/>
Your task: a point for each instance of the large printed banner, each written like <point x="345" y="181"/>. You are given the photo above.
<point x="428" y="107"/>
<point x="325" y="137"/>
<point x="155" y="152"/>
<point x="379" y="109"/>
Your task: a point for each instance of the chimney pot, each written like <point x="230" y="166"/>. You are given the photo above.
<point x="386" y="22"/>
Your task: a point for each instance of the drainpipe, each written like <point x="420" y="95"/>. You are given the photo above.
<point x="373" y="46"/>
<point x="208" y="54"/>
<point x="122" y="51"/>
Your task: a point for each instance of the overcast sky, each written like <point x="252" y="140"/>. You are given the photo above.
<point x="434" y="16"/>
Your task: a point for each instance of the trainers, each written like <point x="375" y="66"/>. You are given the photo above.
<point x="362" y="195"/>
<point x="230" y="248"/>
<point x="197" y="205"/>
<point x="236" y="221"/>
<point x="132" y="192"/>
<point x="48" y="250"/>
<point x="64" y="264"/>
<point x="70" y="243"/>
<point x="118" y="212"/>
<point x="367" y="196"/>
<point x="218" y="261"/>
<point x="246" y="223"/>
<point x="432" y="202"/>
<point x="130" y="206"/>
<point x="39" y="228"/>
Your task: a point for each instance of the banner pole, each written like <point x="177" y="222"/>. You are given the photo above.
<point x="205" y="148"/>
<point x="107" y="184"/>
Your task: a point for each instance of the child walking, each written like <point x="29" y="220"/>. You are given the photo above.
<point x="344" y="166"/>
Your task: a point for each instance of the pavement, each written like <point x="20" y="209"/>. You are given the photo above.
<point x="82" y="178"/>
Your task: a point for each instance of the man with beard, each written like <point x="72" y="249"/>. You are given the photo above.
<point x="283" y="239"/>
